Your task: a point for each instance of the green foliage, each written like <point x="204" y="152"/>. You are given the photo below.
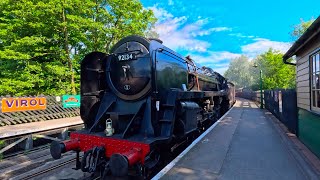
<point x="43" y="41"/>
<point x="275" y="74"/>
<point x="2" y="145"/>
<point x="299" y="29"/>
<point x="239" y="72"/>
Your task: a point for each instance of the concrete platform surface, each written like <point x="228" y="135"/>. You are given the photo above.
<point x="245" y="145"/>
<point x="20" y="129"/>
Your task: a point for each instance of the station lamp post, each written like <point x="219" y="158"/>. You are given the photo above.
<point x="261" y="94"/>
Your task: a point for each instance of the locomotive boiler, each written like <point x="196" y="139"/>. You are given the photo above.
<point x="140" y="102"/>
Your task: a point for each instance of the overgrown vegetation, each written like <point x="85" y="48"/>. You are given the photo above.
<point x="43" y="41"/>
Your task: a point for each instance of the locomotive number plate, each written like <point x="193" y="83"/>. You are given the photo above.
<point x="126" y="57"/>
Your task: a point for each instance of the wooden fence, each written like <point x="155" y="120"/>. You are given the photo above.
<point x="54" y="110"/>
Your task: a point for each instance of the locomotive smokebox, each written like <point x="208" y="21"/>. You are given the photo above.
<point x="129" y="69"/>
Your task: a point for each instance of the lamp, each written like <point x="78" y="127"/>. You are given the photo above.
<point x="261" y="94"/>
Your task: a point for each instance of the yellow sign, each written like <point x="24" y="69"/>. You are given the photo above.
<point x="23" y="104"/>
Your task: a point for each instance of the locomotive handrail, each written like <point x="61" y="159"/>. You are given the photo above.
<point x="179" y="58"/>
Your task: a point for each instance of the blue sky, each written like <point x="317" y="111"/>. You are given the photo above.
<point x="214" y="32"/>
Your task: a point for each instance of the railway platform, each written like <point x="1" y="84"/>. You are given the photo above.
<point x="24" y="134"/>
<point x="247" y="143"/>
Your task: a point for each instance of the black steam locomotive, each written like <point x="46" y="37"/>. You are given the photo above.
<point x="140" y="102"/>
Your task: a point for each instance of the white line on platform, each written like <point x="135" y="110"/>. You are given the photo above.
<point x="177" y="159"/>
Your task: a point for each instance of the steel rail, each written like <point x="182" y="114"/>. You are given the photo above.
<point x="48" y="170"/>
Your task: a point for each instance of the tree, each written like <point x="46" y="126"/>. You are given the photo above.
<point x="239" y="72"/>
<point x="299" y="29"/>
<point x="43" y="41"/>
<point x="30" y="53"/>
<point x="275" y="73"/>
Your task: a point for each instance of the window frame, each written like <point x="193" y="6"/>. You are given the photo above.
<point x="313" y="72"/>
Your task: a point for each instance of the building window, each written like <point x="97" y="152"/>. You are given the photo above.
<point x="315" y="81"/>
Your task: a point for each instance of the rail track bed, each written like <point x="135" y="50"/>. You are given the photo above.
<point x="38" y="164"/>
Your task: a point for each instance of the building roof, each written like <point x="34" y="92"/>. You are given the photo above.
<point x="311" y="32"/>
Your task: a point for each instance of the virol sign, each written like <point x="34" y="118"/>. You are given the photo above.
<point x="23" y="104"/>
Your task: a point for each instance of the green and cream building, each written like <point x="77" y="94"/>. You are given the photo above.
<point x="307" y="54"/>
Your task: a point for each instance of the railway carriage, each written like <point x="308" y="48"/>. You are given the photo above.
<point x="138" y="103"/>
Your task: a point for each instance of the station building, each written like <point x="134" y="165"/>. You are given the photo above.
<point x="307" y="52"/>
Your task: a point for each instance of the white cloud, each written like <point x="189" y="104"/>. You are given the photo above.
<point x="177" y="34"/>
<point x="160" y="13"/>
<point x="218" y="29"/>
<point x="209" y="31"/>
<point x="214" y="57"/>
<point x="217" y="60"/>
<point x="240" y="35"/>
<point x="221" y="70"/>
<point x="262" y="45"/>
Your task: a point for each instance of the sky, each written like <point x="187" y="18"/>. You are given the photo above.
<point x="213" y="32"/>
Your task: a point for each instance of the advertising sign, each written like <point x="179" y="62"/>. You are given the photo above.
<point x="69" y="101"/>
<point x="23" y="104"/>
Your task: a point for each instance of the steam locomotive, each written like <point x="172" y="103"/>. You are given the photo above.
<point x="140" y="102"/>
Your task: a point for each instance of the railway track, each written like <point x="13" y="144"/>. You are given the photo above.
<point x="38" y="164"/>
<point x="36" y="174"/>
<point x="35" y="165"/>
